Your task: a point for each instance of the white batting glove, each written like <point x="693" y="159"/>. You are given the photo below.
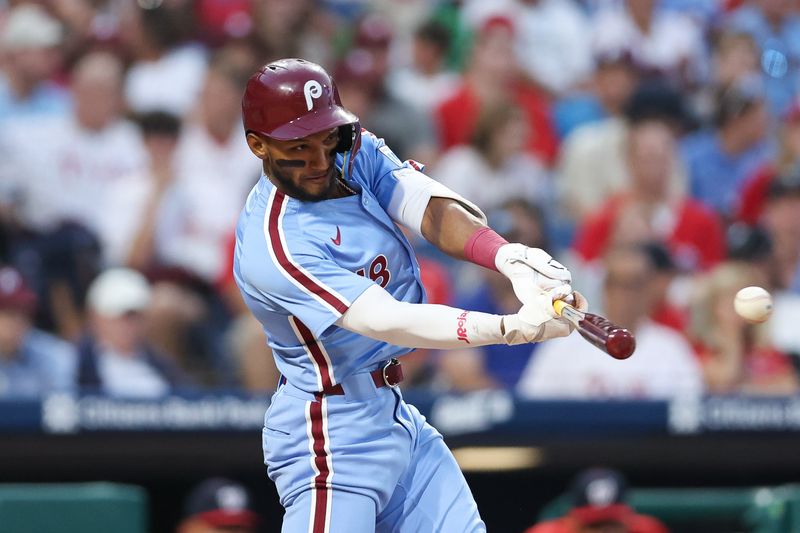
<point x="537" y="321"/>
<point x="532" y="270"/>
<point x="579" y="302"/>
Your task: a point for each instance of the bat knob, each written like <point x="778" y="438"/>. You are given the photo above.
<point x="620" y="343"/>
<point x="562" y="303"/>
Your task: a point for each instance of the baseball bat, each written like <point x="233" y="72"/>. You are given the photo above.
<point x="616" y="341"/>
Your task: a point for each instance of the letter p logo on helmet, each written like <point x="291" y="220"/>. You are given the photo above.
<point x="312" y="89"/>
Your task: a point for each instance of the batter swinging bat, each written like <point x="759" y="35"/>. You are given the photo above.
<point x="617" y="342"/>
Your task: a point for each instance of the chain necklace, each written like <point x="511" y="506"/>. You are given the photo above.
<point x="345" y="186"/>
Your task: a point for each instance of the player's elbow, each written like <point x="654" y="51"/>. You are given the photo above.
<point x="375" y="314"/>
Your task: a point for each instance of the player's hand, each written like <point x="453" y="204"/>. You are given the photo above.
<point x="537" y="320"/>
<point x="532" y="270"/>
<point x="579" y="302"/>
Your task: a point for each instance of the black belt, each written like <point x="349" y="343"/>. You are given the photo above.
<point x="390" y="375"/>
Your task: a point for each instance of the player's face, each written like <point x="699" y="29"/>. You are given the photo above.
<point x="14" y="326"/>
<point x="304" y="168"/>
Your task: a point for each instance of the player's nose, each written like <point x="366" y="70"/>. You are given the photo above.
<point x="320" y="159"/>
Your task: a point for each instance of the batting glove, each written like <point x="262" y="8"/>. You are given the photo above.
<point x="537" y="321"/>
<point x="532" y="270"/>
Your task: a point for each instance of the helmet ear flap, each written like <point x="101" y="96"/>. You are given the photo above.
<point x="348" y="137"/>
<point x="349" y="140"/>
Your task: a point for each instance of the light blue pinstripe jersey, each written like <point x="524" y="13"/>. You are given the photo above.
<point x="299" y="266"/>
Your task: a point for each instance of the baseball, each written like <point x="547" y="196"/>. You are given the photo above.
<point x="753" y="304"/>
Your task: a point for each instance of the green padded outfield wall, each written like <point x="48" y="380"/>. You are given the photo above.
<point x="73" y="508"/>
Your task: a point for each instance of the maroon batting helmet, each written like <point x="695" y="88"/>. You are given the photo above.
<point x="293" y="98"/>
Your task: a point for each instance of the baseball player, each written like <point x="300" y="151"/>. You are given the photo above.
<point x="322" y="263"/>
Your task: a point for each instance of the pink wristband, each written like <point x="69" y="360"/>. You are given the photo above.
<point x="482" y="246"/>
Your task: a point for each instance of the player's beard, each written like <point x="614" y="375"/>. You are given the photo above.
<point x="290" y="188"/>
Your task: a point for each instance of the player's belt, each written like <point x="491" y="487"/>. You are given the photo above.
<point x="389" y="375"/>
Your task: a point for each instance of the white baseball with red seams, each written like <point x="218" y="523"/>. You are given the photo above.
<point x="754" y="304"/>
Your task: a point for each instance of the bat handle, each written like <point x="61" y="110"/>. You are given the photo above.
<point x="563" y="309"/>
<point x="617" y="342"/>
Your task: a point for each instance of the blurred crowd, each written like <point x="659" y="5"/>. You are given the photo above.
<point x="651" y="146"/>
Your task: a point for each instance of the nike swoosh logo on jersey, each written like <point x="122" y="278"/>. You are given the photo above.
<point x="338" y="240"/>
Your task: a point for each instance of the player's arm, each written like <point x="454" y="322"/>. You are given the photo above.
<point x="376" y="314"/>
<point x="458" y="227"/>
<point x="457" y="232"/>
<point x="460" y="234"/>
<point x="448" y="225"/>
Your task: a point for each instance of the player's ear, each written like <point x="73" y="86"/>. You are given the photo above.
<point x="257" y="144"/>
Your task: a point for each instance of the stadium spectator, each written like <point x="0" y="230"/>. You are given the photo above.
<point x="754" y="190"/>
<point x="453" y="17"/>
<point x="141" y="202"/>
<point x="214" y="173"/>
<point x="782" y="267"/>
<point x="425" y="83"/>
<point x="665" y="273"/>
<point x="32" y="363"/>
<point x="491" y="77"/>
<point x="593" y="160"/>
<point x="663" y="43"/>
<point x="663" y="365"/>
<point x="782" y="221"/>
<point x="597" y="498"/>
<point x="737" y="357"/>
<point x="30" y="58"/>
<point x="59" y="264"/>
<point x="474" y="14"/>
<point x="610" y="87"/>
<point x="187" y="321"/>
<point x="115" y="357"/>
<point x="720" y="159"/>
<point x="296" y="28"/>
<point x="775" y="27"/>
<point x="167" y="71"/>
<point x="651" y="210"/>
<point x="375" y="33"/>
<point x="734" y="57"/>
<point x="562" y="29"/>
<point x="221" y="21"/>
<point x="87" y="152"/>
<point x="218" y="505"/>
<point x="59" y="193"/>
<point x="558" y="26"/>
<point x="495" y="167"/>
<point x="89" y="25"/>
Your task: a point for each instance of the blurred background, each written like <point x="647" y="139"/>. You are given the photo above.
<point x="653" y="146"/>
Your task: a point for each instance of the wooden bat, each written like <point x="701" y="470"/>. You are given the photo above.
<point x="617" y="342"/>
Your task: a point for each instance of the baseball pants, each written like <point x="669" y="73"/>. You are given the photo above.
<point x="363" y="462"/>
